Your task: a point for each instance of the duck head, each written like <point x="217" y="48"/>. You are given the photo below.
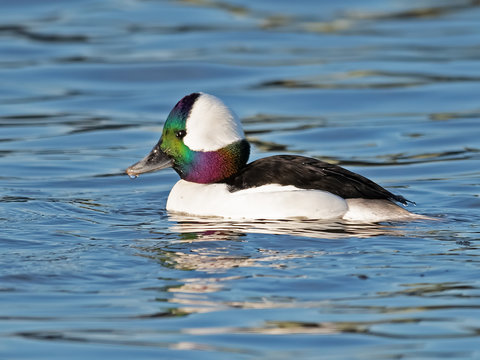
<point x="202" y="140"/>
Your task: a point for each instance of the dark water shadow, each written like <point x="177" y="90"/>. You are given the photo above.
<point x="23" y="31"/>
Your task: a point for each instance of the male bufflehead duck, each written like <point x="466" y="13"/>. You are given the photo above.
<point x="205" y="144"/>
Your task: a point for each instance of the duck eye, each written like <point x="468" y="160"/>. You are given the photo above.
<point x="180" y="134"/>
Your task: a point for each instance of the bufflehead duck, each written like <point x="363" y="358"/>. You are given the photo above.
<point x="205" y="144"/>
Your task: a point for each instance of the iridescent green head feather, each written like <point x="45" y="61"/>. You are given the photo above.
<point x="201" y="139"/>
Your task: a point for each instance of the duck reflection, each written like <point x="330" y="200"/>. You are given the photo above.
<point x="205" y="228"/>
<point x="216" y="263"/>
<point x="214" y="254"/>
<point x="211" y="241"/>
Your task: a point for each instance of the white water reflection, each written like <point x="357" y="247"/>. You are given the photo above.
<point x="208" y="228"/>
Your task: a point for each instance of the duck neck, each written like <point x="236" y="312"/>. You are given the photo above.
<point x="206" y="167"/>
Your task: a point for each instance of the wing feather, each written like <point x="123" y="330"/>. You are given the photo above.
<point x="309" y="173"/>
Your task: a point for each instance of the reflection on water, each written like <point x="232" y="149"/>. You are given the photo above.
<point x="379" y="314"/>
<point x="206" y="229"/>
<point x="372" y="79"/>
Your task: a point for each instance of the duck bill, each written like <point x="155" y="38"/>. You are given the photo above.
<point x="154" y="161"/>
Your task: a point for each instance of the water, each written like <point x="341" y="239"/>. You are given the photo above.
<point x="93" y="266"/>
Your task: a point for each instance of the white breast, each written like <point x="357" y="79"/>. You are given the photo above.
<point x="263" y="202"/>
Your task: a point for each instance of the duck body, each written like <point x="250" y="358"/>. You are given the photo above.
<point x="205" y="144"/>
<point x="278" y="187"/>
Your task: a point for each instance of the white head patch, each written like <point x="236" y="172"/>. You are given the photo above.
<point x="211" y="125"/>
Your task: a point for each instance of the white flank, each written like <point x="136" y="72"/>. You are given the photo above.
<point x="211" y="125"/>
<point x="263" y="202"/>
<point x="279" y="202"/>
<point x="368" y="210"/>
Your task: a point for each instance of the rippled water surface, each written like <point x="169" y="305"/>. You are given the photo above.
<point x="93" y="266"/>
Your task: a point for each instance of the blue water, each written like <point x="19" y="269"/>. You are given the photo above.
<point x="91" y="264"/>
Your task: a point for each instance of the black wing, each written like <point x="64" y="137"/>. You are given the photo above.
<point x="309" y="173"/>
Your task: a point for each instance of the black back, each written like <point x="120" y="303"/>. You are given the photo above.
<point x="308" y="173"/>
